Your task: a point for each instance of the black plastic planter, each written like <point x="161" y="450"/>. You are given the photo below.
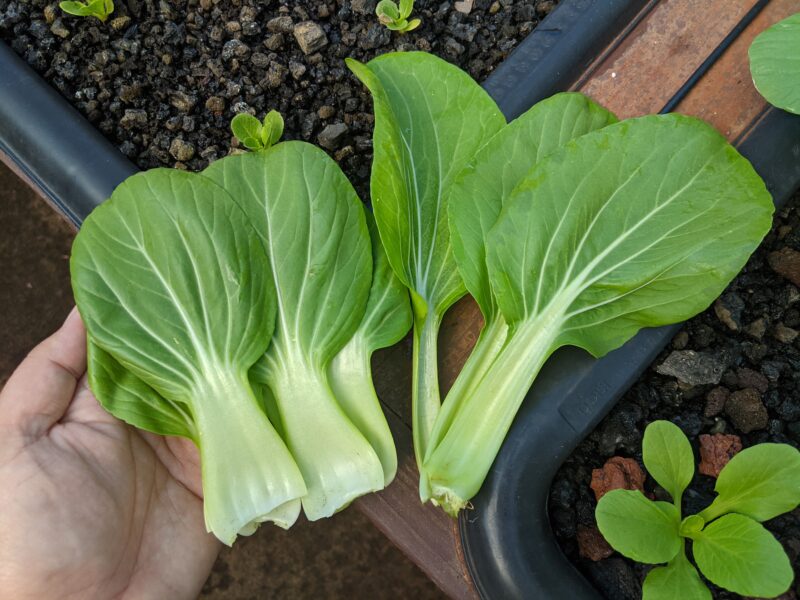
<point x="509" y="547"/>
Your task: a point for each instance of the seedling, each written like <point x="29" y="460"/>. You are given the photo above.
<point x="99" y="9"/>
<point x="396" y="17"/>
<point x="255" y="134"/>
<point x="730" y="546"/>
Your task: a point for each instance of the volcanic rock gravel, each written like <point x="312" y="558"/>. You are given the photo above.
<point x="162" y="80"/>
<point x="755" y="397"/>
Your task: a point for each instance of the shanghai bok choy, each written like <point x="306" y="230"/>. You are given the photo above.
<point x="238" y="308"/>
<point x="175" y="289"/>
<point x="567" y="228"/>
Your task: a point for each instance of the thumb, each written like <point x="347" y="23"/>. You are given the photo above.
<point x="40" y="390"/>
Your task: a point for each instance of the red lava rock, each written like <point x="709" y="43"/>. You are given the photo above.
<point x="746" y="410"/>
<point x="715" y="452"/>
<point x="617" y="474"/>
<point x="748" y="378"/>
<point x="592" y="544"/>
<point x="715" y="401"/>
<point x="786" y="262"/>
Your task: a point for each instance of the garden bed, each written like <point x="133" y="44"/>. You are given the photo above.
<point x="162" y="80"/>
<point x="734" y="369"/>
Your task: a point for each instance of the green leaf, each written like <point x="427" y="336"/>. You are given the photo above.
<point x="639" y="224"/>
<point x="484" y="185"/>
<point x="775" y="64"/>
<point x="248" y="130"/>
<point x="79" y="9"/>
<point x="406" y="6"/>
<point x="639" y="528"/>
<point x="677" y="581"/>
<point x="386" y="321"/>
<point x="127" y="397"/>
<point x="668" y="457"/>
<point x="387" y="11"/>
<point x="312" y="225"/>
<point x="272" y="130"/>
<point x="173" y="284"/>
<point x="691" y="525"/>
<point x="761" y="482"/>
<point x="737" y="553"/>
<point x="412" y="25"/>
<point x="430" y="119"/>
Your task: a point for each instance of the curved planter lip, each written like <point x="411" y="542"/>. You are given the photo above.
<point x="572" y="394"/>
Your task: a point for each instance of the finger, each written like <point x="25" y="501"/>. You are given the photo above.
<point x="40" y="390"/>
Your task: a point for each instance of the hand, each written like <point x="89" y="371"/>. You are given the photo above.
<point x="89" y="506"/>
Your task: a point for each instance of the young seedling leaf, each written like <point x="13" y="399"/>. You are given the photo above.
<point x="430" y="119"/>
<point x="761" y="482"/>
<point x="387" y="11"/>
<point x="737" y="553"/>
<point x="406" y="6"/>
<point x="412" y="25"/>
<point x="173" y="284"/>
<point x="639" y="528"/>
<point x="99" y="9"/>
<point x="668" y="457"/>
<point x="248" y="130"/>
<point x="775" y="64"/>
<point x="677" y="581"/>
<point x="386" y="321"/>
<point x="312" y="225"/>
<point x="272" y="129"/>
<point x="639" y="224"/>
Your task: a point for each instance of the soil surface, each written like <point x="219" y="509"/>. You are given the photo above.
<point x="742" y="378"/>
<point x="162" y="80"/>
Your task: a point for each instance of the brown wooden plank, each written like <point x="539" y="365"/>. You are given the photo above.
<point x="648" y="67"/>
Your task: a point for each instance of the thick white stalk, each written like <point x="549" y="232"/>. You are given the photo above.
<point x="249" y="476"/>
<point x="350" y="377"/>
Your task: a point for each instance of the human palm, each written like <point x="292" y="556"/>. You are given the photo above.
<point x="89" y="506"/>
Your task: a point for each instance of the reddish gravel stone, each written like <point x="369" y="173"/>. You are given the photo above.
<point x="747" y="411"/>
<point x="786" y="262"/>
<point x="715" y="401"/>
<point x="592" y="544"/>
<point x="617" y="474"/>
<point x="715" y="452"/>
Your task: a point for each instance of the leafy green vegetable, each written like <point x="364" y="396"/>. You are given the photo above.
<point x="668" y="457"/>
<point x="621" y="229"/>
<point x="737" y="553"/>
<point x="761" y="482"/>
<point x="312" y="225"/>
<point x="430" y="120"/>
<point x="677" y="581"/>
<point x="732" y="550"/>
<point x="475" y="202"/>
<point x="100" y="9"/>
<point x="173" y="285"/>
<point x="396" y="17"/>
<point x="386" y="321"/>
<point x="257" y="135"/>
<point x="639" y="528"/>
<point x="775" y="64"/>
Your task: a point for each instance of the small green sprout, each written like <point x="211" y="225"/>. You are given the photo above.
<point x="729" y="544"/>
<point x="99" y="9"/>
<point x="396" y="17"/>
<point x="254" y="134"/>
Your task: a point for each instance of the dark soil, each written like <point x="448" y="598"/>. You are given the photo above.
<point x="746" y="341"/>
<point x="162" y="80"/>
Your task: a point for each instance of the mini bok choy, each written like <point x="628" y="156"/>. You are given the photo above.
<point x="313" y="227"/>
<point x="175" y="289"/>
<point x="635" y="224"/>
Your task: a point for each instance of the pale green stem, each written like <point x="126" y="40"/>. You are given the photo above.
<point x="249" y="476"/>
<point x="351" y="380"/>
<point x="425" y="397"/>
<point x="461" y="461"/>
<point x="337" y="462"/>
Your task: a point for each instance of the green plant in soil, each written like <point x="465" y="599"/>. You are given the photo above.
<point x="255" y="134"/>
<point x="100" y="9"/>
<point x="775" y="64"/>
<point x="729" y="545"/>
<point x="567" y="227"/>
<point x="395" y="17"/>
